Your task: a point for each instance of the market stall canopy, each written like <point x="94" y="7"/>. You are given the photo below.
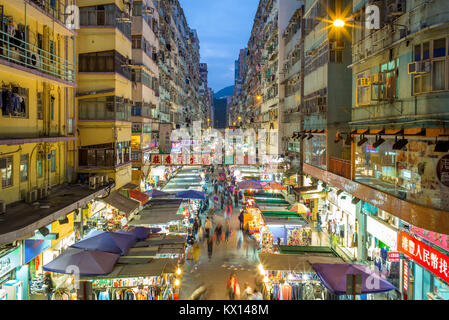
<point x="130" y="186"/>
<point x="122" y="203"/>
<point x="250" y="184"/>
<point x="295" y="262"/>
<point x="160" y="213"/>
<point x="191" y="194"/>
<point x="333" y="277"/>
<point x="284" y="221"/>
<point x="156" y="267"/>
<point x="140" y="233"/>
<point x="156" y="193"/>
<point x="162" y="240"/>
<point x="139" y="196"/>
<point x="273" y="186"/>
<point x="298" y="208"/>
<point x="88" y="262"/>
<point x="112" y="242"/>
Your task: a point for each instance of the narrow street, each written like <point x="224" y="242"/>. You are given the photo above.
<point x="226" y="258"/>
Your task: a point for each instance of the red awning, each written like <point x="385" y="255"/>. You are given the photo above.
<point x="139" y="196"/>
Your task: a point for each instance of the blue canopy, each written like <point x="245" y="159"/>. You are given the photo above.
<point x="191" y="194"/>
<point x="112" y="242"/>
<point x="140" y="233"/>
<point x="83" y="261"/>
<point x="156" y="193"/>
<point x="333" y="277"/>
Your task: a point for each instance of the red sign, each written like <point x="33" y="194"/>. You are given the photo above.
<point x="156" y="159"/>
<point x="393" y="256"/>
<point x="429" y="258"/>
<point x="405" y="275"/>
<point x="167" y="159"/>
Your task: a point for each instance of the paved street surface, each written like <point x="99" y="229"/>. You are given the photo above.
<point x="226" y="258"/>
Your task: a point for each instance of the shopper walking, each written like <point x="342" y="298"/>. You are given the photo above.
<point x="48" y="282"/>
<point x="210" y="247"/>
<point x="196" y="254"/>
<point x="227" y="231"/>
<point x="257" y="295"/>
<point x="241" y="219"/>
<point x="232" y="287"/>
<point x="247" y="291"/>
<point x="218" y="233"/>
<point x="207" y="228"/>
<point x="239" y="239"/>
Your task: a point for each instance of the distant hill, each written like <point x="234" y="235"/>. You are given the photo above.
<point x="226" y="92"/>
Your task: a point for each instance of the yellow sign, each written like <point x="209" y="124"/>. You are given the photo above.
<point x="63" y="229"/>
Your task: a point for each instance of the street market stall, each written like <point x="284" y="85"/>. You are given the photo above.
<point x="291" y="276"/>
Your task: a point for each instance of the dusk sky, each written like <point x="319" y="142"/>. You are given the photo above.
<point x="224" y="27"/>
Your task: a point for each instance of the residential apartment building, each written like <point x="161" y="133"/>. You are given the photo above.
<point x="145" y="77"/>
<point x="104" y="89"/>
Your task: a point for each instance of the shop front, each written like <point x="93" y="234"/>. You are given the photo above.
<point x="424" y="270"/>
<point x="340" y="222"/>
<point x="13" y="285"/>
<point x="382" y="249"/>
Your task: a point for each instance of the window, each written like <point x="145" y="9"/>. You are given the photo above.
<point x="70" y="126"/>
<point x="39" y="106"/>
<point x="6" y="171"/>
<point x="52" y="108"/>
<point x="39" y="167"/>
<point x="24" y="168"/>
<point x="53" y="160"/>
<point x="386" y="88"/>
<point x="105" y="61"/>
<point x="15" y="102"/>
<point x="363" y="93"/>
<point x="435" y="53"/>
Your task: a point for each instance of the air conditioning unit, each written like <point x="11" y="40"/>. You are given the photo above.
<point x="2" y="206"/>
<point x="99" y="181"/>
<point x="34" y="60"/>
<point x="377" y="78"/>
<point x="93" y="183"/>
<point x="396" y="8"/>
<point x="31" y="196"/>
<point x="42" y="193"/>
<point x="363" y="82"/>
<point x="419" y="67"/>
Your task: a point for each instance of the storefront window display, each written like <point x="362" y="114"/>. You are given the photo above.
<point x="315" y="151"/>
<point x="254" y="221"/>
<point x="410" y="174"/>
<point x="11" y="287"/>
<point x="341" y="223"/>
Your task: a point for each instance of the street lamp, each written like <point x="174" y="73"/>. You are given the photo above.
<point x="259" y="97"/>
<point x="339" y="23"/>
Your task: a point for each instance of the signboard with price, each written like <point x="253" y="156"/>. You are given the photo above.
<point x="429" y="258"/>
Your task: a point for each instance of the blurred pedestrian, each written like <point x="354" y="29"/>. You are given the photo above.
<point x="247" y="291"/>
<point x="257" y="295"/>
<point x="207" y="228"/>
<point x="241" y="219"/>
<point x="232" y="287"/>
<point x="227" y="231"/>
<point x="239" y="238"/>
<point x="48" y="285"/>
<point x="210" y="247"/>
<point x="218" y="233"/>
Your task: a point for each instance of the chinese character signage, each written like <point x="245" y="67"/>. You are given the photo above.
<point x="167" y="160"/>
<point x="156" y="159"/>
<point x="10" y="261"/>
<point x="405" y="275"/>
<point x="205" y="159"/>
<point x="443" y="170"/>
<point x="393" y="256"/>
<point x="34" y="247"/>
<point x="429" y="258"/>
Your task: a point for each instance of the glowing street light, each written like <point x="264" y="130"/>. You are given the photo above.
<point x="339" y="23"/>
<point x="178" y="271"/>
<point x="177" y="283"/>
<point x="259" y="97"/>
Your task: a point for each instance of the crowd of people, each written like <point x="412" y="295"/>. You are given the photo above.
<point x="221" y="198"/>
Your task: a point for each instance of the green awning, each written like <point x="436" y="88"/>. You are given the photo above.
<point x="307" y="196"/>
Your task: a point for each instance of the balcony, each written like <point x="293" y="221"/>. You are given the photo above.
<point x="105" y="108"/>
<point x="340" y="167"/>
<point x="25" y="54"/>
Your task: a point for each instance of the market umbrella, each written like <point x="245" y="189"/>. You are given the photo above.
<point x="273" y="186"/>
<point x="88" y="262"/>
<point x="250" y="184"/>
<point x="191" y="194"/>
<point x="298" y="208"/>
<point x="141" y="233"/>
<point x="333" y="277"/>
<point x="156" y="193"/>
<point x="112" y="242"/>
